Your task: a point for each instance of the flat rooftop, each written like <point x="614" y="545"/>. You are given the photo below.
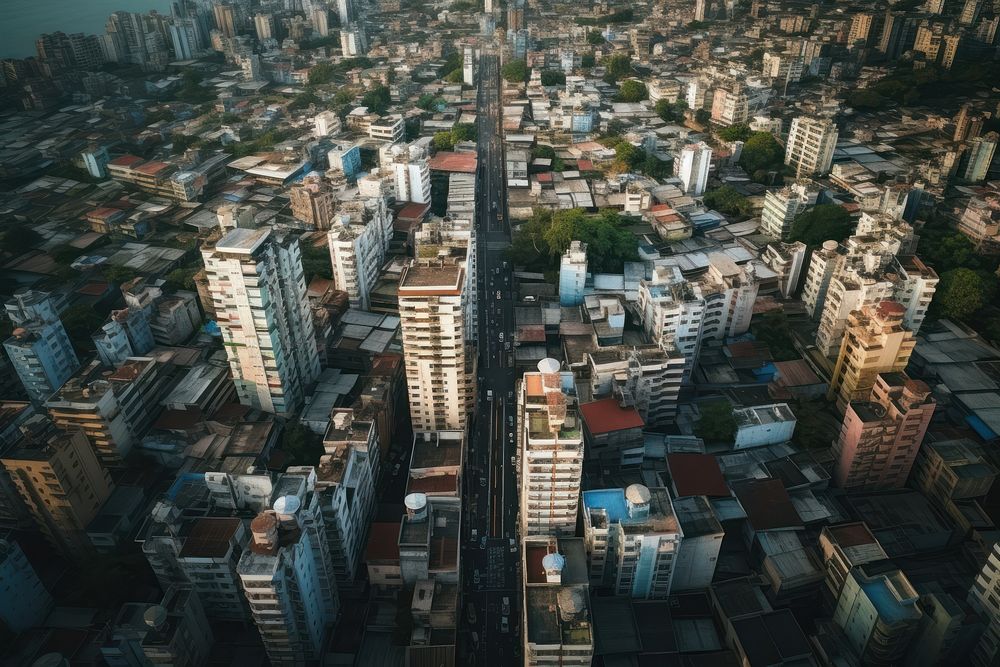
<point x="210" y="537"/>
<point x="422" y="279"/>
<point x="437" y="449"/>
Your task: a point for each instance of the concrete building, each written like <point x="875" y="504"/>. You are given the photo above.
<point x="876" y="342"/>
<point x="550" y="442"/>
<point x="263" y="24"/>
<point x="645" y="378"/>
<point x="823" y="264"/>
<point x="454" y="238"/>
<point x="787" y="260"/>
<point x="126" y="334"/>
<point x="955" y="473"/>
<point x="781" y="207"/>
<point x="879" y="614"/>
<point x="730" y="292"/>
<point x="468" y="66"/>
<point x="694" y="564"/>
<point x="573" y="274"/>
<point x="981" y="152"/>
<point x="693" y="166"/>
<point x="556" y="622"/>
<point x="844" y="547"/>
<point x="429" y="540"/>
<point x="282" y="575"/>
<point x="879" y="439"/>
<point x="258" y="293"/>
<point x="39" y="348"/>
<point x="984" y="598"/>
<point x="809" y="150"/>
<point x="439" y="365"/>
<point x="762" y="425"/>
<point x="61" y="481"/>
<point x="345" y="158"/>
<point x="173" y="632"/>
<point x="346" y="481"/>
<point x="411" y="173"/>
<point x="353" y="42"/>
<point x="672" y="312"/>
<point x="24" y="601"/>
<point x="980" y="222"/>
<point x="359" y="239"/>
<point x="312" y="202"/>
<point x="326" y="123"/>
<point x="632" y="539"/>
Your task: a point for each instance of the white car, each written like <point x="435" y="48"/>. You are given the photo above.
<point x="504" y="625"/>
<point x="505" y="605"/>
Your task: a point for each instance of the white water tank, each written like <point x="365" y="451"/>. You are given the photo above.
<point x="548" y="365"/>
<point x="553" y="565"/>
<point x="416" y="506"/>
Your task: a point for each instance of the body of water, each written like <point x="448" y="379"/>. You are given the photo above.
<point x="24" y="20"/>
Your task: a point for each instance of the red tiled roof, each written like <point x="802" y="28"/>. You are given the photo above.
<point x="585" y="165"/>
<point x="103" y="213"/>
<point x="413" y="211"/>
<point x="457" y="162"/>
<point x="696" y="475"/>
<point x="152" y="168"/>
<point x="126" y="161"/>
<point x="767" y="504"/>
<point x="93" y="289"/>
<point x="434" y="484"/>
<point x="383" y="542"/>
<point x="544" y="177"/>
<point x="606" y="416"/>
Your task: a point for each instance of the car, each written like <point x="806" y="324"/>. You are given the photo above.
<point x="504" y="624"/>
<point x="513" y="545"/>
<point x="475" y="534"/>
<point x="501" y="336"/>
<point x="529" y="299"/>
<point x="505" y="605"/>
<point x="513" y="459"/>
<point x="482" y="482"/>
<point x="489" y="393"/>
<point x="482" y="542"/>
<point x="499" y="295"/>
<point x="475" y="577"/>
<point x="470" y="610"/>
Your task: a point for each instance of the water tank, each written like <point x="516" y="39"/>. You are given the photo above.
<point x="416" y="506"/>
<point x="287" y="506"/>
<point x="553" y="565"/>
<point x="830" y="245"/>
<point x="637" y="499"/>
<point x="155" y="617"/>
<point x="548" y="365"/>
<point x="264" y="529"/>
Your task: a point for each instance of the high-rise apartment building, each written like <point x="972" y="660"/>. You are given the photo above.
<point x="880" y="437"/>
<point x="39" y="348"/>
<point x="984" y="598"/>
<point x="981" y="152"/>
<point x="730" y="291"/>
<point x="879" y="612"/>
<point x="455" y="238"/>
<point x="980" y="221"/>
<point x="263" y="24"/>
<point x="439" y="364"/>
<point x="672" y="313"/>
<point x="345" y="11"/>
<point x="282" y="575"/>
<point x="573" y="274"/>
<point x="320" y="19"/>
<point x="62" y="482"/>
<point x="359" y="238"/>
<point x="632" y="539"/>
<point x="810" y="146"/>
<point x="225" y="19"/>
<point x="781" y="207"/>
<point x="550" y="438"/>
<point x="875" y="342"/>
<point x="312" y="202"/>
<point x="259" y="296"/>
<point x="353" y="42"/>
<point x="411" y="173"/>
<point x="126" y="334"/>
<point x="326" y="123"/>
<point x="25" y="602"/>
<point x="692" y="167"/>
<point x="787" y="260"/>
<point x="861" y="25"/>
<point x="646" y="378"/>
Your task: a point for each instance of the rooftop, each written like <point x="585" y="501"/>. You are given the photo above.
<point x="210" y="537"/>
<point x="696" y="475"/>
<point x="425" y="280"/>
<point x="615" y="504"/>
<point x="767" y="504"/>
<point x="608" y="416"/>
<point x="242" y="241"/>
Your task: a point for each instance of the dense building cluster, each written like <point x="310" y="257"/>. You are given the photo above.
<point x="375" y="332"/>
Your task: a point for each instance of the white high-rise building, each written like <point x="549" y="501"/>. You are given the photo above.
<point x="673" y="311"/>
<point x="359" y="239"/>
<point x="259" y="295"/>
<point x="326" y="123"/>
<point x="730" y="291"/>
<point x="263" y="24"/>
<point x="345" y="11"/>
<point x="781" y="207"/>
<point x="811" y="142"/>
<point x="692" y="167"/>
<point x="320" y="19"/>
<point x="823" y="263"/>
<point x="412" y="173"/>
<point x="39" y="348"/>
<point x="439" y="374"/>
<point x="468" y="66"/>
<point x="455" y="237"/>
<point x="352" y="41"/>
<point x="573" y="274"/>
<point x="550" y="439"/>
<point x="287" y="575"/>
<point x="632" y="539"/>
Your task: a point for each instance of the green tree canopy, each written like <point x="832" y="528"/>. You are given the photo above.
<point x="716" y="422"/>
<point x="702" y="117"/>
<point x="761" y="153"/>
<point x="539" y="242"/>
<point x="727" y="200"/>
<point x="628" y="154"/>
<point x="587" y="60"/>
<point x="617" y="66"/>
<point x="321" y="73"/>
<point x="595" y="38"/>
<point x="962" y="292"/>
<point x="670" y="112"/>
<point x="302" y="445"/>
<point x="377" y="100"/>
<point x="737" y="132"/>
<point x="632" y="91"/>
<point x="823" y="222"/>
<point x="515" y="71"/>
<point x="551" y="77"/>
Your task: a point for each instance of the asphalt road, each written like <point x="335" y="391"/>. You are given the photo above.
<point x="491" y="617"/>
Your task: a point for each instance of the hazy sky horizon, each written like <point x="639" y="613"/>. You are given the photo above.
<point x="25" y="20"/>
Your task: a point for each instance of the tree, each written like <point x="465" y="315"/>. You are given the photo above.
<point x="628" y="154"/>
<point x="617" y="66"/>
<point x="515" y="71"/>
<point x="315" y="261"/>
<point x="823" y="222"/>
<point x="321" y="73"/>
<point x="538" y="243"/>
<point x="587" y="60"/>
<point x="182" y="142"/>
<point x="772" y="329"/>
<point x="428" y="101"/>
<point x="302" y="445"/>
<point x="737" y="132"/>
<point x="181" y="279"/>
<point x="632" y="91"/>
<point x="702" y="117"/>
<point x="716" y="422"/>
<point x="65" y="254"/>
<point x="80" y="321"/>
<point x="304" y="100"/>
<point x="961" y="293"/>
<point x="116" y="274"/>
<point x="654" y="167"/>
<point x="595" y="38"/>
<point x="377" y="100"/>
<point x="551" y="77"/>
<point x="727" y="200"/>
<point x="454" y="76"/>
<point x="443" y="141"/>
<point x="866" y="100"/>
<point x="761" y="152"/>
<point x="670" y="112"/>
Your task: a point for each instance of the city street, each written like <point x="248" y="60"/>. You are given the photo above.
<point x="491" y="608"/>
